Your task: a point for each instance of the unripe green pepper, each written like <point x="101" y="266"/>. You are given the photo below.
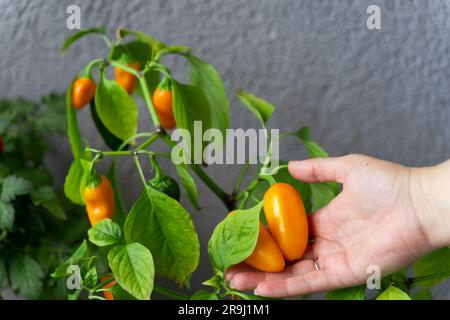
<point x="166" y="185"/>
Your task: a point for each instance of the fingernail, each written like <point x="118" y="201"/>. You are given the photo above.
<point x="255" y="292"/>
<point x="232" y="285"/>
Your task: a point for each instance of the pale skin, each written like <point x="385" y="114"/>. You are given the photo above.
<point x="387" y="215"/>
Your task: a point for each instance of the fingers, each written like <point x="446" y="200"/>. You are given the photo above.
<point x="323" y="169"/>
<point x="239" y="268"/>
<point x="312" y="282"/>
<point x="250" y="279"/>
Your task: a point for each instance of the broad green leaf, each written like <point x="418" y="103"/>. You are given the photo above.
<point x="76" y="180"/>
<point x="314" y="151"/>
<point x="80" y="34"/>
<point x="132" y="266"/>
<point x="162" y="225"/>
<point x="234" y="239"/>
<point x="116" y="109"/>
<point x="46" y="196"/>
<point x="393" y="293"/>
<point x="6" y="215"/>
<point x="189" y="105"/>
<point x="120" y="212"/>
<point x="110" y="140"/>
<point x="188" y="184"/>
<point x="204" y="295"/>
<point x="104" y="233"/>
<point x="90" y="279"/>
<point x="353" y="293"/>
<point x="154" y="43"/>
<point x="81" y="252"/>
<point x="435" y="262"/>
<point x="13" y="186"/>
<point x="119" y="293"/>
<point x="321" y="195"/>
<point x="260" y="108"/>
<point x="26" y="276"/>
<point x="73" y="132"/>
<point x="204" y="76"/>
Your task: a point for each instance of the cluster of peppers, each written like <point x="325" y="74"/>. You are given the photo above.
<point x="98" y="193"/>
<point x="286" y="235"/>
<point x="84" y="90"/>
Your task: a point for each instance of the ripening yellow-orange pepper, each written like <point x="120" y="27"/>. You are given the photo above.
<point x="83" y="91"/>
<point x="286" y="219"/>
<point x="125" y="79"/>
<point x="99" y="198"/>
<point x="162" y="101"/>
<point x="266" y="256"/>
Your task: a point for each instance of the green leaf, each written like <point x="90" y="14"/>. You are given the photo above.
<point x="204" y="295"/>
<point x="6" y="215"/>
<point x="188" y="184"/>
<point x="132" y="266"/>
<point x="435" y="262"/>
<point x="189" y="105"/>
<point x="119" y="293"/>
<point x="234" y="239"/>
<point x="162" y="225"/>
<point x="314" y="151"/>
<point x="76" y="180"/>
<point x="81" y="252"/>
<point x="321" y="195"/>
<point x="46" y="196"/>
<point x="90" y="279"/>
<point x="73" y="132"/>
<point x="110" y="140"/>
<point x="13" y="186"/>
<point x="26" y="276"/>
<point x="393" y="293"/>
<point x="204" y="76"/>
<point x="216" y="281"/>
<point x="116" y="109"/>
<point x="154" y="43"/>
<point x="104" y="233"/>
<point x="80" y="34"/>
<point x="260" y="108"/>
<point x="353" y="293"/>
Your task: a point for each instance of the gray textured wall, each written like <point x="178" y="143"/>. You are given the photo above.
<point x="383" y="93"/>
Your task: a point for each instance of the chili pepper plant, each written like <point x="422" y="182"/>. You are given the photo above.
<point x="155" y="238"/>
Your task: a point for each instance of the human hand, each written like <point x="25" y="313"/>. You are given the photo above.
<point x="373" y="221"/>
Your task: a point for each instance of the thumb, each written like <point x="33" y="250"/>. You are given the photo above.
<point x="323" y="169"/>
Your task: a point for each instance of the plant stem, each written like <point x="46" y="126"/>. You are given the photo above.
<point x="136" y="136"/>
<point x="141" y="174"/>
<point x="226" y="198"/>
<point x="148" y="142"/>
<point x="240" y="178"/>
<point x="148" y="102"/>
<point x="169" y="293"/>
<point x="428" y="277"/>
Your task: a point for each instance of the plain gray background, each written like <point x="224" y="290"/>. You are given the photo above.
<point x="384" y="93"/>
